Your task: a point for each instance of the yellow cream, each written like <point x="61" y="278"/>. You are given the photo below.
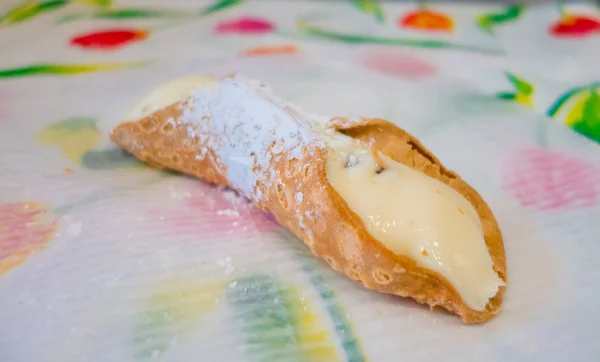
<point x="415" y="215"/>
<point x="167" y="94"/>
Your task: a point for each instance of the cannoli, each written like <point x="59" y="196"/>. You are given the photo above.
<point x="361" y="193"/>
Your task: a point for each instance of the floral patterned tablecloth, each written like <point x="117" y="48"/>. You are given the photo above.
<point x="105" y="259"/>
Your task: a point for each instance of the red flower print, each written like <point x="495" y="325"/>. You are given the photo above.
<point x="550" y="180"/>
<point x="25" y="228"/>
<point x="429" y="20"/>
<point x="575" y="26"/>
<point x="209" y="210"/>
<point x="109" y="39"/>
<point x="245" y="25"/>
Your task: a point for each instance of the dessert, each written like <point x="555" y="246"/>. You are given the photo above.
<point x="361" y="193"/>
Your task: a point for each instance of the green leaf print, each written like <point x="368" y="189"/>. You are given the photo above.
<point x="141" y="13"/>
<point x="109" y="160"/>
<point x="589" y="124"/>
<point x="565" y="97"/>
<point x="220" y="6"/>
<point x="370" y="7"/>
<point x="171" y="311"/>
<point x="488" y="22"/>
<point x="29" y="10"/>
<point x="128" y="14"/>
<point x="99" y="3"/>
<point x="316" y="32"/>
<point x="522" y="86"/>
<point x="523" y="93"/>
<point x="506" y="96"/>
<point x="73" y="136"/>
<point x="278" y="323"/>
<point x="63" y="69"/>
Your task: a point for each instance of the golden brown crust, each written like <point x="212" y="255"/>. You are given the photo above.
<point x="321" y="218"/>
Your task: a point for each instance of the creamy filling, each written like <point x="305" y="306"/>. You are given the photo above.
<point x="166" y="94"/>
<point x="415" y="215"/>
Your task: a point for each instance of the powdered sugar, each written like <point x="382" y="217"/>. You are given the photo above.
<point x="228" y="212"/>
<point x="232" y="197"/>
<point x="242" y="121"/>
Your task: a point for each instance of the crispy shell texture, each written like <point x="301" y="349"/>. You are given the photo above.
<point x="322" y="219"/>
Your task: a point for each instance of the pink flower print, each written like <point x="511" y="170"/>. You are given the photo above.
<point x="550" y="180"/>
<point x="209" y="210"/>
<point x="397" y="64"/>
<point x="245" y="25"/>
<point x="25" y="229"/>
